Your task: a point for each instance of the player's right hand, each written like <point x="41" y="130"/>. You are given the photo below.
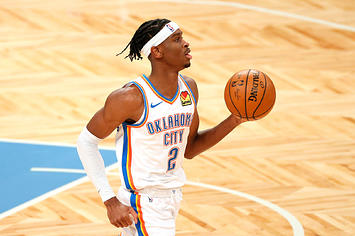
<point x="120" y="215"/>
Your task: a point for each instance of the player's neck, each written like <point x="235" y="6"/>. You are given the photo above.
<point x="165" y="81"/>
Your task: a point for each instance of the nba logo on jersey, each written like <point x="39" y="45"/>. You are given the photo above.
<point x="185" y="98"/>
<point x="170" y="27"/>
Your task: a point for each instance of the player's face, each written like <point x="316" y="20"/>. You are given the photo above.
<point x="177" y="51"/>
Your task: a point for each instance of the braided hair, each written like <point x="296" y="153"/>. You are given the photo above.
<point x="143" y="34"/>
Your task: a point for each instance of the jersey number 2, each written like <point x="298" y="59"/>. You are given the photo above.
<point x="172" y="158"/>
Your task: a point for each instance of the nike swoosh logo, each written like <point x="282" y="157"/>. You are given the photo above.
<point x="154" y="105"/>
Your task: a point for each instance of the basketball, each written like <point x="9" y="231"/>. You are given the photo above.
<point x="250" y="94"/>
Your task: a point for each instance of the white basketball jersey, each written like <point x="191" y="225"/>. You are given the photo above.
<point x="150" y="152"/>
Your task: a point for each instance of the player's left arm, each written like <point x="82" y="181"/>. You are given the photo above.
<point x="200" y="141"/>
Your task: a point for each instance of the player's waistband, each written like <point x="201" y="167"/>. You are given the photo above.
<point x="157" y="193"/>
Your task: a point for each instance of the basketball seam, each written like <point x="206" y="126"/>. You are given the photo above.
<point x="267" y="109"/>
<point x="262" y="96"/>
<point x="245" y="95"/>
<point x="229" y="88"/>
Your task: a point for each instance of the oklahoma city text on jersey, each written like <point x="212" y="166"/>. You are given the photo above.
<point x="168" y="123"/>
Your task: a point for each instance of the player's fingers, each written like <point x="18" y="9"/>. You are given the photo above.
<point x="127" y="220"/>
<point x="116" y="223"/>
<point x="134" y="214"/>
<point x="121" y="223"/>
<point x="113" y="219"/>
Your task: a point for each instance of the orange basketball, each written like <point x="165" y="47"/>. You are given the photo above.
<point x="250" y="94"/>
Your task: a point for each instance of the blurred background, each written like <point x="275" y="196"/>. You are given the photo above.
<point x="58" y="65"/>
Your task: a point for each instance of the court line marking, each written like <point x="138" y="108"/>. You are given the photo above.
<point x="43" y="197"/>
<point x="53" y="192"/>
<point x="295" y="224"/>
<point x="261" y="9"/>
<point x="57" y="144"/>
<point x="65" y="170"/>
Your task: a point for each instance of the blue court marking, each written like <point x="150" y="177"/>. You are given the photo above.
<point x="19" y="184"/>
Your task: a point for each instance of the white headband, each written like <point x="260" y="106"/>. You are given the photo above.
<point x="163" y="34"/>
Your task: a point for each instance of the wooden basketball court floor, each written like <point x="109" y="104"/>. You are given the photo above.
<point x="58" y="64"/>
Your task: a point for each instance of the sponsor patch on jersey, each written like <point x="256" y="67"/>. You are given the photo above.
<point x="185" y="98"/>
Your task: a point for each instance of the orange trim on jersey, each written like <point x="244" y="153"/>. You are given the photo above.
<point x="140" y="215"/>
<point x="129" y="159"/>
<point x="158" y="95"/>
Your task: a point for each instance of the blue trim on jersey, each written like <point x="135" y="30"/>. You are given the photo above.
<point x="187" y="84"/>
<point x="124" y="157"/>
<point x="170" y="100"/>
<point x="145" y="105"/>
<point x="133" y="200"/>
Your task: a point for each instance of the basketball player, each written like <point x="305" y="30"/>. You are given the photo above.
<point x="157" y="126"/>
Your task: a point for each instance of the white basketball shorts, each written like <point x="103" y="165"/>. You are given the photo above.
<point x="157" y="211"/>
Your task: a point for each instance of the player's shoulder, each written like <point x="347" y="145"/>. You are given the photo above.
<point x="189" y="80"/>
<point x="129" y="95"/>
<point x="192" y="84"/>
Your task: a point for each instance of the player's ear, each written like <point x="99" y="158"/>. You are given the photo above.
<point x="156" y="52"/>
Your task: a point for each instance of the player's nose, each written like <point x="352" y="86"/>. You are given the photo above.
<point x="186" y="44"/>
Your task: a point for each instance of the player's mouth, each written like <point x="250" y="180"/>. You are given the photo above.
<point x="187" y="53"/>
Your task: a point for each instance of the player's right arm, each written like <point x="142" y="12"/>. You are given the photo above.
<point x="125" y="104"/>
<point x="121" y="105"/>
